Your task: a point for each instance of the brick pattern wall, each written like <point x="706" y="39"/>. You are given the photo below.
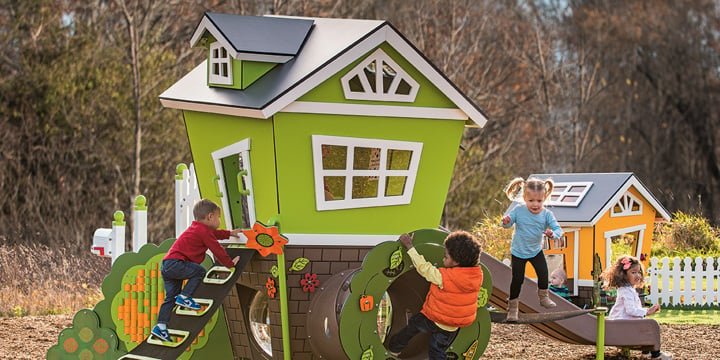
<point x="325" y="261"/>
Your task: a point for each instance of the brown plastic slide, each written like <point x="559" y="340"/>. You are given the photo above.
<point x="642" y="334"/>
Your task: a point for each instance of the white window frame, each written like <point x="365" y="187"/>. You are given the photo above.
<point x="564" y="193"/>
<point x="379" y="57"/>
<point x="227" y="61"/>
<point x="382" y="173"/>
<point x="626" y="204"/>
<point x="608" y="241"/>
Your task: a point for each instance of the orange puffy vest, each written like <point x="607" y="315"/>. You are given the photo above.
<point x="456" y="303"/>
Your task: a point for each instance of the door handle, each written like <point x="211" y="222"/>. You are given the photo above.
<point x="215" y="180"/>
<point x="241" y="187"/>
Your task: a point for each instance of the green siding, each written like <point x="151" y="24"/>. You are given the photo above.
<point x="253" y="70"/>
<point x="296" y="179"/>
<point x="428" y="95"/>
<point x="210" y="132"/>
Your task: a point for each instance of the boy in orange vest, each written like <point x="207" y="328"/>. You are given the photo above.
<point x="451" y="302"/>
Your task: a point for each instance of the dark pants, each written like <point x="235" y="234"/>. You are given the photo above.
<point x="518" y="273"/>
<point x="174" y="272"/>
<point x="440" y="339"/>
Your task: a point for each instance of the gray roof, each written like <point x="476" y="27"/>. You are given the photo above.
<point x="605" y="192"/>
<point x="331" y="45"/>
<point x="250" y="34"/>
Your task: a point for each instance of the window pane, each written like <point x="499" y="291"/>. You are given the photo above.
<point x="388" y="75"/>
<point x="334" y="157"/>
<point x="356" y="84"/>
<point x="395" y="185"/>
<point x="404" y="88"/>
<point x="366" y="158"/>
<point x="364" y="187"/>
<point x="260" y="321"/>
<point x="334" y="187"/>
<point x="399" y="159"/>
<point x="577" y="189"/>
<point x="570" y="199"/>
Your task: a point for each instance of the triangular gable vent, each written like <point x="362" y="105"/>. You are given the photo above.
<point x="378" y="77"/>
<point x="627" y="205"/>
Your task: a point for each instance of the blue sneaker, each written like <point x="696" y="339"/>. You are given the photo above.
<point x="187" y="302"/>
<point x="161" y="334"/>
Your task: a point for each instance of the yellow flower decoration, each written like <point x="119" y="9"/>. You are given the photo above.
<point x="265" y="239"/>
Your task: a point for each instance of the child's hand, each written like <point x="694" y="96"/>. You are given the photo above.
<point x="407" y="240"/>
<point x="548" y="233"/>
<point x="235" y="260"/>
<point x="653" y="309"/>
<point x="235" y="232"/>
<point x="506" y="220"/>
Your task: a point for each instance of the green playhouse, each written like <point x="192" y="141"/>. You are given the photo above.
<point x="325" y="139"/>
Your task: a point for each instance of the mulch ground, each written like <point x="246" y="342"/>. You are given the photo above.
<point x="30" y="337"/>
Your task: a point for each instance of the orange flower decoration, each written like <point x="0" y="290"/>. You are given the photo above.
<point x="265" y="239"/>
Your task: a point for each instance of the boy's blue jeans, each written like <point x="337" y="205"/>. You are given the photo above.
<point x="174" y="272"/>
<point x="440" y="339"/>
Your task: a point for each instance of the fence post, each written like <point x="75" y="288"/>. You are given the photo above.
<point x="182" y="212"/>
<point x="117" y="240"/>
<point x="139" y="223"/>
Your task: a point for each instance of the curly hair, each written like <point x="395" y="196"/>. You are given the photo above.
<point x="615" y="276"/>
<point x="463" y="248"/>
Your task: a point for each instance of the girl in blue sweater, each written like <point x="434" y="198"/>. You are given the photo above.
<point x="532" y="220"/>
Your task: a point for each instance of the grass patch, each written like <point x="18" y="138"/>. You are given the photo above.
<point x="688" y="316"/>
<point x="38" y="280"/>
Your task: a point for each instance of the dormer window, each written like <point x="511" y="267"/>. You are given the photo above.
<point x="355" y="173"/>
<point x="626" y="206"/>
<point x="378" y="77"/>
<point x="569" y="193"/>
<point x="220" y="65"/>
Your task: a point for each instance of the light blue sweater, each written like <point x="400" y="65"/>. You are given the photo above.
<point x="527" y="238"/>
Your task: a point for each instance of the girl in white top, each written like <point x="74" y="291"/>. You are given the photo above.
<point x="626" y="275"/>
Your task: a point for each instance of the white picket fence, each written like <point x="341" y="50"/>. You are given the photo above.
<point x="684" y="282"/>
<point x="111" y="241"/>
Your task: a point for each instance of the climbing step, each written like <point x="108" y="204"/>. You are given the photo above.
<point x="218" y="275"/>
<point x="205" y="305"/>
<point x="178" y="336"/>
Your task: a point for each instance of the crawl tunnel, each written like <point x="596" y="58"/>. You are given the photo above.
<point x="358" y="310"/>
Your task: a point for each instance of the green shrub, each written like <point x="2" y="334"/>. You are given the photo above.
<point x="494" y="239"/>
<point x="687" y="235"/>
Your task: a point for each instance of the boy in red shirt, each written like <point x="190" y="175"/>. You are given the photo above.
<point x="182" y="262"/>
<point x="451" y="301"/>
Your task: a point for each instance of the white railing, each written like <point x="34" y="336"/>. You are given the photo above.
<point x="111" y="242"/>
<point x="684" y="282"/>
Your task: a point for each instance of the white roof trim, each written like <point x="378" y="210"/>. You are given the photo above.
<point x="632" y="182"/>
<point x="375" y="110"/>
<point x="213" y="108"/>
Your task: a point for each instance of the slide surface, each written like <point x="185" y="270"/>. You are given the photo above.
<point x="194" y="324"/>
<point x="641" y="334"/>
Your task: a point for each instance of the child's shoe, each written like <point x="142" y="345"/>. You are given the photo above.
<point x="512" y="314"/>
<point x="545" y="299"/>
<point x="187" y="302"/>
<point x="663" y="356"/>
<point x="161" y="334"/>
